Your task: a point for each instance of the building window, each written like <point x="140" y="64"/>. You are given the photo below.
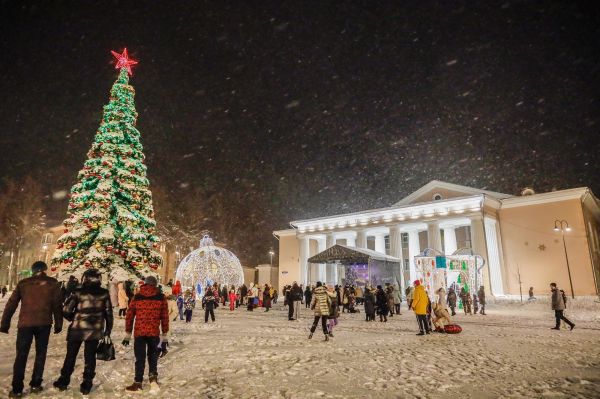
<point x="387" y="244"/>
<point x="47" y="238"/>
<point x="404" y="240"/>
<point x="406" y="265"/>
<point x="437" y="197"/>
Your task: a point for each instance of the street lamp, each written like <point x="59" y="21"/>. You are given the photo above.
<point x="271" y="253"/>
<point x="562" y="226"/>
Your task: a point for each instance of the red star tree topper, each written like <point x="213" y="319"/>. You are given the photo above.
<point x="123" y="60"/>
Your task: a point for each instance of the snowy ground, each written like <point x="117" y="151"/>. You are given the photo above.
<point x="511" y="352"/>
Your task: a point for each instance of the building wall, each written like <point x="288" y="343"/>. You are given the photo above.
<point x="289" y="269"/>
<point x="532" y="246"/>
<point x="428" y="196"/>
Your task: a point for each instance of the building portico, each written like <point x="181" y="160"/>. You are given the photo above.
<point x="455" y="217"/>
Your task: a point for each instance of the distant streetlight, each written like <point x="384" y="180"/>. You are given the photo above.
<point x="562" y="226"/>
<point x="271" y="253"/>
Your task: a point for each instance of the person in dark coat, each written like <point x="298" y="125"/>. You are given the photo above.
<point x="243" y="293"/>
<point x="4" y="291"/>
<point x="307" y="296"/>
<point x="208" y="303"/>
<point x="369" y="305"/>
<point x="451" y="300"/>
<point x="41" y="302"/>
<point x="481" y="297"/>
<point x="559" y="306"/>
<point x="381" y="301"/>
<point x="267" y="298"/>
<point x="89" y="309"/>
<point x="295" y="298"/>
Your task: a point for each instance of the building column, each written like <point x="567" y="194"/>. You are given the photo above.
<point x="413" y="250"/>
<point x="396" y="251"/>
<point x="303" y="259"/>
<point x="479" y="247"/>
<point x="450" y="240"/>
<point x="380" y="243"/>
<point x="321" y="267"/>
<point x="434" y="240"/>
<point x="361" y="239"/>
<point x="331" y="272"/>
<point x="494" y="257"/>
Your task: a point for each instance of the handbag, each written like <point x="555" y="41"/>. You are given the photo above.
<point x="105" y="350"/>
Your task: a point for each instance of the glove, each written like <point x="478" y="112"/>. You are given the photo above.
<point x="125" y="341"/>
<point x="57" y="329"/>
<point x="163" y="348"/>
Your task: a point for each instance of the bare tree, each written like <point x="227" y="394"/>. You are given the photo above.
<point x="21" y="218"/>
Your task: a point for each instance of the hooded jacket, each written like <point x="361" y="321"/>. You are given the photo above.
<point x="420" y="300"/>
<point x="150" y="311"/>
<point x="90" y="311"/>
<point x="320" y="301"/>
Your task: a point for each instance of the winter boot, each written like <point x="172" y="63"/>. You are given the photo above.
<point x="85" y="387"/>
<point x="36" y="389"/>
<point x="61" y="384"/>
<point x="326" y="337"/>
<point x="12" y="394"/>
<point x="153" y="378"/>
<point x="135" y="387"/>
<point x="310" y="335"/>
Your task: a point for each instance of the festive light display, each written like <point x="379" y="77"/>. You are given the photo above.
<point x="207" y="265"/>
<point x="110" y="224"/>
<point x="123" y="61"/>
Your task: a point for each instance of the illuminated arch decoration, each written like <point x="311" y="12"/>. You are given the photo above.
<point x="207" y="265"/>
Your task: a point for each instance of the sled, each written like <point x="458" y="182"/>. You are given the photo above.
<point x="452" y="329"/>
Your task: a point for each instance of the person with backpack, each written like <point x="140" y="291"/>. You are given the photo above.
<point x="150" y="312"/>
<point x="321" y="305"/>
<point x="41" y="302"/>
<point x="89" y="309"/>
<point x="559" y="304"/>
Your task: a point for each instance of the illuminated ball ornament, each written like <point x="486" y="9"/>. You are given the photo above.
<point x="209" y="263"/>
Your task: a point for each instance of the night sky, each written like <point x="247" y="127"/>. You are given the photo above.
<point x="301" y="109"/>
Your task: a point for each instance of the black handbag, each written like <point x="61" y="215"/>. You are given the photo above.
<point x="105" y="350"/>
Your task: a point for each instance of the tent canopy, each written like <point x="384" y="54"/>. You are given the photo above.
<point x="350" y="255"/>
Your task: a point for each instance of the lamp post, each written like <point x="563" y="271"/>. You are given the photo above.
<point x="271" y="253"/>
<point x="563" y="226"/>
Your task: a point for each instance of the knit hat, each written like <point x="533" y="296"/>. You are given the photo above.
<point x="416" y="283"/>
<point x="151" y="280"/>
<point x="38" y="266"/>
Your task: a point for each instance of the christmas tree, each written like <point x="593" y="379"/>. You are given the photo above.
<point x="110" y="220"/>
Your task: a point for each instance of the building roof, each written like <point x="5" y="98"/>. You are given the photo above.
<point x="437" y="184"/>
<point x="349" y="255"/>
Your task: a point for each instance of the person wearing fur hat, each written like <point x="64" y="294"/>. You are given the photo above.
<point x="419" y="305"/>
<point x="89" y="309"/>
<point x="41" y="302"/>
<point x="150" y="312"/>
<point x="442" y="317"/>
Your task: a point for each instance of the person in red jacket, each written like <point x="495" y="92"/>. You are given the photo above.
<point x="150" y="311"/>
<point x="232" y="299"/>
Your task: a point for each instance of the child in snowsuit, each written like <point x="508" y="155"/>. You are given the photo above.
<point x="475" y="304"/>
<point x="179" y="302"/>
<point x="232" y="299"/>
<point x="189" y="303"/>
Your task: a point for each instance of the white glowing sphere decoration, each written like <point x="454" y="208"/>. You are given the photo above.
<point x="207" y="265"/>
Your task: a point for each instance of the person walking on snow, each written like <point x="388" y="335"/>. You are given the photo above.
<point x="409" y="296"/>
<point x="321" y="305"/>
<point x="381" y="302"/>
<point x="369" y="305"/>
<point x="307" y="296"/>
<point x="481" y="297"/>
<point x="189" y="303"/>
<point x="208" y="303"/>
<point x="451" y="300"/>
<point x="466" y="300"/>
<point x="122" y="300"/>
<point x="150" y="312"/>
<point x="559" y="306"/>
<point x="397" y="299"/>
<point x="41" y="302"/>
<point x="89" y="309"/>
<point x="267" y="298"/>
<point x="419" y="305"/>
<point x="232" y="299"/>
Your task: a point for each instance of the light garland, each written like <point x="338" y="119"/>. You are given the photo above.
<point x="207" y="265"/>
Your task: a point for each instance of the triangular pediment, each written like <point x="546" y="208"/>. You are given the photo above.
<point x="437" y="190"/>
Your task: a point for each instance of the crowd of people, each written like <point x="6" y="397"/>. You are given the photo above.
<point x="88" y="307"/>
